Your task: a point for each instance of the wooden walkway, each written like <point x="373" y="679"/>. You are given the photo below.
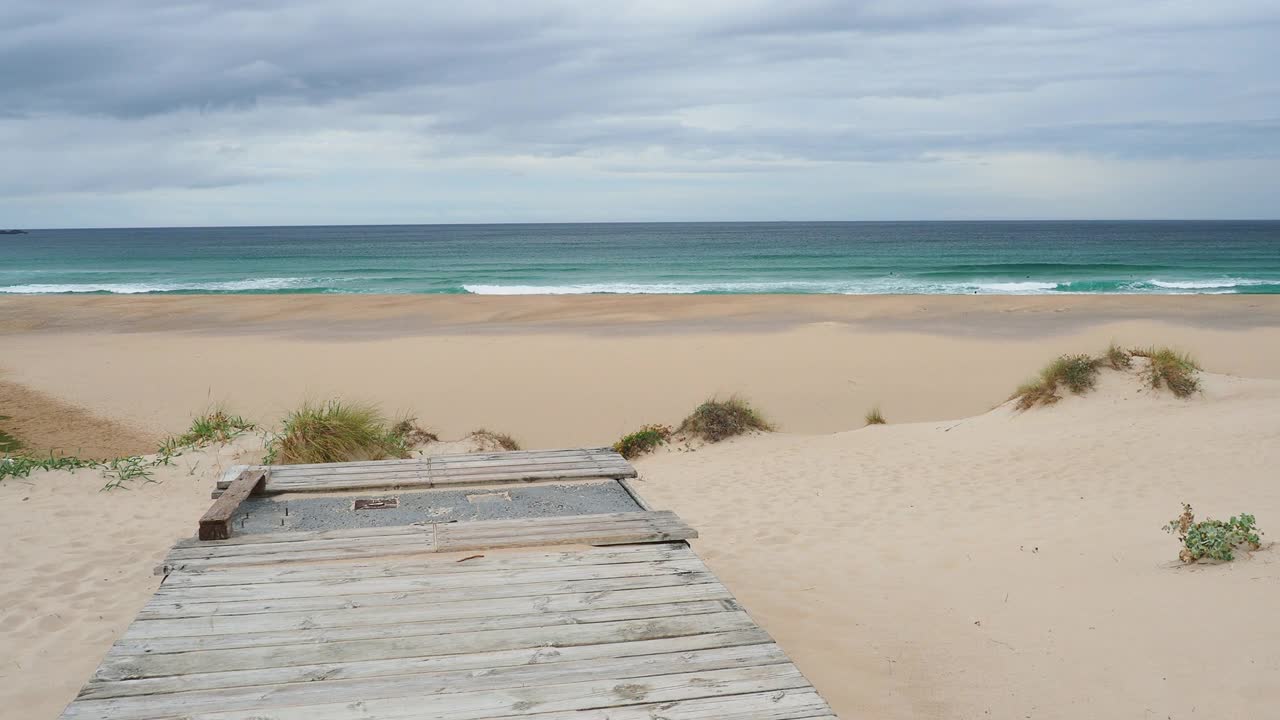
<point x="435" y="622"/>
<point x="441" y="470"/>
<point x="288" y="547"/>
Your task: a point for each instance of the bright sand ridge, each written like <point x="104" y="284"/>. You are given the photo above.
<point x="556" y="371"/>
<point x="1009" y="563"/>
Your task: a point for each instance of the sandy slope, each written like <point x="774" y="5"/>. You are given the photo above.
<point x="1006" y="565"/>
<point x="558" y="372"/>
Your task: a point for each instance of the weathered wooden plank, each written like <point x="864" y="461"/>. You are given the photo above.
<point x="285" y="474"/>
<point x="433" y="628"/>
<point x="428" y="664"/>
<point x="495" y="456"/>
<point x="605" y="529"/>
<point x="616" y="537"/>
<point x="795" y="704"/>
<point x="296" y="535"/>
<point x="411" y="583"/>
<point x="626" y="485"/>
<point x="563" y="697"/>
<point x="187" y="609"/>
<point x="476" y="528"/>
<point x="373" y="551"/>
<point x="379" y="481"/>
<point x="428" y="565"/>
<point x="439" y="683"/>
<point x="216" y="522"/>
<point x="366" y="616"/>
<point x="423" y="536"/>
<point x="432" y="564"/>
<point x="123" y="667"/>
<point x="613" y="536"/>
<point x="603" y="457"/>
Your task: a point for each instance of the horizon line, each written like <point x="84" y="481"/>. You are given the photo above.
<point x="652" y="222"/>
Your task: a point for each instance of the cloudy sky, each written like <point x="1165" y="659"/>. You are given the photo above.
<point x="232" y="112"/>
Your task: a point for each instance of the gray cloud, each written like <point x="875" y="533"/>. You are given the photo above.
<point x="126" y="98"/>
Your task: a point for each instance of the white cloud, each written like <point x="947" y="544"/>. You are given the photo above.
<point x="299" y="112"/>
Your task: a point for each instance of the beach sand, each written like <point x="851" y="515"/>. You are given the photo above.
<point x="571" y="371"/>
<point x="960" y="562"/>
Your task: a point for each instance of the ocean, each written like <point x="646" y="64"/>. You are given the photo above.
<point x="1021" y="258"/>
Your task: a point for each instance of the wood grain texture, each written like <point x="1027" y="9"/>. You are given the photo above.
<point x="389" y="623"/>
<point x="441" y="471"/>
<point x="216" y="522"/>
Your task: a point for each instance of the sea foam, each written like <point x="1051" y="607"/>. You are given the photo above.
<point x="232" y="286"/>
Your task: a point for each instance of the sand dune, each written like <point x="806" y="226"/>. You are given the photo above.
<point x="1004" y="565"/>
<point x="1009" y="564"/>
<point x="976" y="563"/>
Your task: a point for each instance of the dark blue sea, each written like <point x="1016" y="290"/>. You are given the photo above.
<point x="840" y="257"/>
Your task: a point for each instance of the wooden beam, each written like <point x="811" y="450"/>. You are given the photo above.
<point x="216" y="523"/>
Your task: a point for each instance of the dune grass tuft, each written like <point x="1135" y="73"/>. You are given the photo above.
<point x="1171" y="369"/>
<point x="1078" y="373"/>
<point x="875" y="417"/>
<point x="642" y="441"/>
<point x="1118" y="358"/>
<point x="413" y="434"/>
<point x="215" y="426"/>
<point x="490" y="437"/>
<point x="716" y="420"/>
<point x="335" y="431"/>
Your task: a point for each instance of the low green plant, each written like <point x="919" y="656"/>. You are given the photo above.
<point x="334" y="431"/>
<point x="122" y="470"/>
<point x="874" y="416"/>
<point x="1169" y="368"/>
<point x="1078" y="373"/>
<point x="1213" y="539"/>
<point x="490" y="437"/>
<point x="642" y="441"/>
<point x="23" y="466"/>
<point x="215" y="426"/>
<point x="716" y="420"/>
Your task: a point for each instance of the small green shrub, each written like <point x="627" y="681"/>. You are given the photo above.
<point x="489" y="437"/>
<point x="642" y="441"/>
<point x="1171" y="369"/>
<point x="1213" y="539"/>
<point x="1118" y="358"/>
<point x="334" y="431"/>
<point x="1078" y="373"/>
<point x="716" y="420"/>
<point x="874" y="416"/>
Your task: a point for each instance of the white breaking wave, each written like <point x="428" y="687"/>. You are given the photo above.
<point x="652" y="288"/>
<point x="881" y="286"/>
<point x="1015" y="288"/>
<point x="1206" y="284"/>
<point x="140" y="288"/>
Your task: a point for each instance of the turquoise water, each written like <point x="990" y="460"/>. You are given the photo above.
<point x="849" y="258"/>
